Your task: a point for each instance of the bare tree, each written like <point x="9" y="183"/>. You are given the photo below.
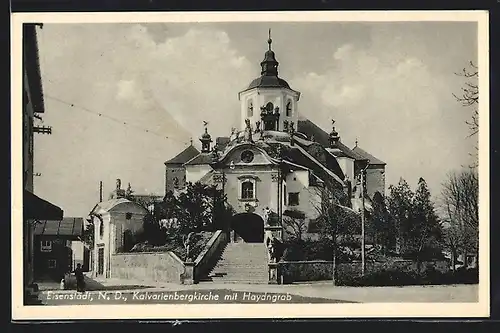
<point x="336" y="220"/>
<point x="459" y="201"/>
<point x="470" y="98"/>
<point x="295" y="223"/>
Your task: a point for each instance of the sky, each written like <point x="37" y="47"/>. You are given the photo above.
<point x="124" y="98"/>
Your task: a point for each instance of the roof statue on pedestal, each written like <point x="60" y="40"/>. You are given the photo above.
<point x="248" y="131"/>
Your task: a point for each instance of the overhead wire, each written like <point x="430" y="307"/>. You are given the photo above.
<point x="117" y="120"/>
<point x="100" y="114"/>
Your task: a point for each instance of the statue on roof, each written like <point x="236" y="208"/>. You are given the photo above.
<point x="248" y="131"/>
<point x="285" y="125"/>
<point x="257" y="126"/>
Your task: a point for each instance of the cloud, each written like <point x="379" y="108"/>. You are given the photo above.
<point x="393" y="103"/>
<point x="195" y="76"/>
<point x="157" y="88"/>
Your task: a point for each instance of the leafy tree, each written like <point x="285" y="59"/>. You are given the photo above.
<point x="400" y="203"/>
<point x="425" y="231"/>
<point x="199" y="208"/>
<point x="382" y="224"/>
<point x="196" y="203"/>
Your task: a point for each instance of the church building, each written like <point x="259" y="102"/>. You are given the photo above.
<point x="277" y="161"/>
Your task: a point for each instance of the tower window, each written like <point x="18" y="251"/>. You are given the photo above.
<point x="289" y="109"/>
<point x="250" y="109"/>
<point x="269" y="107"/>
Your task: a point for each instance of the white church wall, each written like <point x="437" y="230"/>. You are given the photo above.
<point x="260" y="97"/>
<point x="347" y="166"/>
<point x="196" y="172"/>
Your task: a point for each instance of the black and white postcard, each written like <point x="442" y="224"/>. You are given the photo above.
<point x="250" y="164"/>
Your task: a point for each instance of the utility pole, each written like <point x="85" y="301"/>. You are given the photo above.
<point x="363" y="259"/>
<point x="363" y="263"/>
<point x="100" y="191"/>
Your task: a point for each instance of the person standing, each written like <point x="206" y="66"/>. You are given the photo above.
<point x="80" y="278"/>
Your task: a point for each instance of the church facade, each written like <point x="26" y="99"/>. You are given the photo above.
<point x="276" y="161"/>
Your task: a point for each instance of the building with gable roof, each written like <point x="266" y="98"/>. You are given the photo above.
<point x="275" y="162"/>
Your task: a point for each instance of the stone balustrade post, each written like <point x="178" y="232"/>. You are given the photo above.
<point x="273" y="273"/>
<point x="188" y="276"/>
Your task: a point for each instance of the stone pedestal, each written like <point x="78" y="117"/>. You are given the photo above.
<point x="273" y="273"/>
<point x="188" y="276"/>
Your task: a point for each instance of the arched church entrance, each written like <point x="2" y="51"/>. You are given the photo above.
<point x="248" y="227"/>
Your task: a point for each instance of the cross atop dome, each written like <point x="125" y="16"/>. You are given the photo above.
<point x="269" y="40"/>
<point x="334" y="135"/>
<point x="269" y="64"/>
<point x="205" y="139"/>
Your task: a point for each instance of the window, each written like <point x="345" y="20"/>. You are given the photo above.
<point x="101" y="228"/>
<point x="247" y="156"/>
<point x="128" y="216"/>
<point x="289" y="109"/>
<point x="284" y="196"/>
<point x="250" y="109"/>
<point x="269" y="107"/>
<point x="247" y="190"/>
<point x="293" y="199"/>
<point x="46" y="246"/>
<point x="52" y="263"/>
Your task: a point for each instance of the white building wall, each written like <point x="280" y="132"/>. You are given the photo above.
<point x="196" y="172"/>
<point x="347" y="166"/>
<point x="260" y="97"/>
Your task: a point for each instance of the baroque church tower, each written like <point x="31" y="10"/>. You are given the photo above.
<point x="269" y="103"/>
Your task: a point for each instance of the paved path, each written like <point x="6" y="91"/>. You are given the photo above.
<point x="319" y="292"/>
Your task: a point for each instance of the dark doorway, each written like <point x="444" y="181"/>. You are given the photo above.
<point x="100" y="261"/>
<point x="249" y="227"/>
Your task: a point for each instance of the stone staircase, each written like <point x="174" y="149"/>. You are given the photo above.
<point x="245" y="263"/>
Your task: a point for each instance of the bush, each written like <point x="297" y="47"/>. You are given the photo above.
<point x="299" y="250"/>
<point x="391" y="277"/>
<point x="199" y="242"/>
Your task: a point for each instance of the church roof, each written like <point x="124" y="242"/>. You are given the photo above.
<point x="106" y="206"/>
<point x="267" y="81"/>
<point x="373" y="160"/>
<point x="221" y="142"/>
<point x="321" y="155"/>
<point x="184" y="156"/>
<point x="312" y="130"/>
<point x="201" y="158"/>
<point x="302" y="157"/>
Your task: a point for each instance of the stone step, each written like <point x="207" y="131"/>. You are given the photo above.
<point x="250" y="261"/>
<point x="239" y="271"/>
<point x="242" y="264"/>
<point x="241" y="281"/>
